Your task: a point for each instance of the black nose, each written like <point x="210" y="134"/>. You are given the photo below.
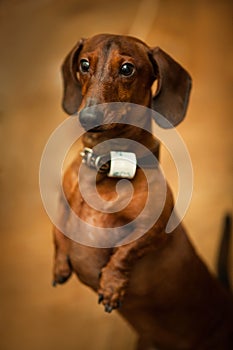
<point x="90" y="118"/>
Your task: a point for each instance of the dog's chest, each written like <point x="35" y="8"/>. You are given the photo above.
<point x="102" y="211"/>
<point x="104" y="202"/>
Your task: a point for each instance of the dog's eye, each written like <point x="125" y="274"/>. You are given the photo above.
<point x="127" y="69"/>
<point x="84" y="66"/>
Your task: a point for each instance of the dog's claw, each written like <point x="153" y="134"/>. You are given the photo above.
<point x="54" y="283"/>
<point x="59" y="280"/>
<point x="108" y="308"/>
<point x="101" y="298"/>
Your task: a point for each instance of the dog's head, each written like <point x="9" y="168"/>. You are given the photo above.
<point x="112" y="68"/>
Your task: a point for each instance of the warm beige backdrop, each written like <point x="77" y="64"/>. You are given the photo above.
<point x="35" y="36"/>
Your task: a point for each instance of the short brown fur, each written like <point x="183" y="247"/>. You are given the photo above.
<point x="157" y="282"/>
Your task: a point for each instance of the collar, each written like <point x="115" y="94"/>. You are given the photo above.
<point x="118" y="163"/>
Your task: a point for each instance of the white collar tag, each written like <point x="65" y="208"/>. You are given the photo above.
<point x="123" y="164"/>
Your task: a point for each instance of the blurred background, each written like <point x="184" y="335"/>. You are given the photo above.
<point x="35" y="37"/>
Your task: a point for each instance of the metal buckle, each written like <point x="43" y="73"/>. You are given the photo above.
<point x="87" y="155"/>
<point x="100" y="163"/>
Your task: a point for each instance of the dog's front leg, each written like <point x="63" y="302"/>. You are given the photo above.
<point x="62" y="268"/>
<point x="115" y="275"/>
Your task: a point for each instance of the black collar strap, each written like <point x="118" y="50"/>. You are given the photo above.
<point x="102" y="163"/>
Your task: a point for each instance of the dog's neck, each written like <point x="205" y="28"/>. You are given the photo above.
<point x="133" y="148"/>
<point x="141" y="137"/>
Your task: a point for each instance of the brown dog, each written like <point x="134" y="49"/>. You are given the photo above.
<point x="157" y="281"/>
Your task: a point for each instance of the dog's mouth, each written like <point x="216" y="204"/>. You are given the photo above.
<point x="97" y="129"/>
<point x="103" y="128"/>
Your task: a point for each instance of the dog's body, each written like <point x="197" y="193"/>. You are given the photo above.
<point x="158" y="282"/>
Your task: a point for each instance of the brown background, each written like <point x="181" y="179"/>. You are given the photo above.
<point x="35" y="36"/>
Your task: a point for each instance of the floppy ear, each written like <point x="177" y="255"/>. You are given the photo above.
<point x="72" y="89"/>
<point x="173" y="90"/>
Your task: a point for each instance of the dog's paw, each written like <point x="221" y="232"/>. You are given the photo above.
<point x="62" y="270"/>
<point x="112" y="289"/>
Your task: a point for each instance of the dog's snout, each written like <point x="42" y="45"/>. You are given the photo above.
<point x="90" y="118"/>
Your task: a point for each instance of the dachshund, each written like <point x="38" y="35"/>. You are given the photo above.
<point x="155" y="280"/>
